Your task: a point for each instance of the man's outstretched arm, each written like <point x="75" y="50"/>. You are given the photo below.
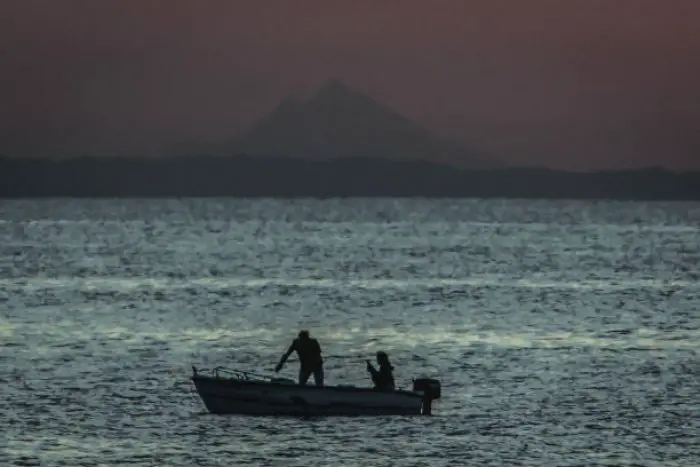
<point x="285" y="357"/>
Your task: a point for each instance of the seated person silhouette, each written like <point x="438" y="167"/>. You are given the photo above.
<point x="383" y="378"/>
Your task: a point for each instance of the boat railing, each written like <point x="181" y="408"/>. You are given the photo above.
<point x="218" y="371"/>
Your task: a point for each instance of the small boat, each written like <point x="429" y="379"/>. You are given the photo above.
<point x="246" y="393"/>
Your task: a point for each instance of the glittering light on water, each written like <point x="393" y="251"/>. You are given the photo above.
<point x="119" y="283"/>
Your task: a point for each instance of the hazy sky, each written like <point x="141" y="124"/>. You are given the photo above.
<point x="564" y="83"/>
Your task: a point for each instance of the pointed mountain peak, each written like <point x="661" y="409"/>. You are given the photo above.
<point x="335" y="91"/>
<point x="333" y="87"/>
<point x="339" y="121"/>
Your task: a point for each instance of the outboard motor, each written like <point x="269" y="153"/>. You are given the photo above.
<point x="431" y="389"/>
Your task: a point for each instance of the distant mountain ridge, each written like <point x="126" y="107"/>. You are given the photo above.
<point x="337" y="121"/>
<point x="337" y="143"/>
<point x="286" y="177"/>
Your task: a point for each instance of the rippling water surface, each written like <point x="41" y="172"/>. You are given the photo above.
<point x="565" y="333"/>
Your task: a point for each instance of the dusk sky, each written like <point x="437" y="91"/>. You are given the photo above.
<point x="578" y="84"/>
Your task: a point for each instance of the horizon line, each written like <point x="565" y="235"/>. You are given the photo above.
<point x="331" y="159"/>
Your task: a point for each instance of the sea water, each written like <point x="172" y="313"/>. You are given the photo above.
<point x="564" y="332"/>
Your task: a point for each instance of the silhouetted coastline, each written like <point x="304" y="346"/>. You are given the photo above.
<point x="246" y="176"/>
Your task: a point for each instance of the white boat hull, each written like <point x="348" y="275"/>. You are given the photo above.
<point x="249" y="397"/>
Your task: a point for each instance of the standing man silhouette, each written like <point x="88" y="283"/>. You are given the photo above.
<point x="309" y="352"/>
